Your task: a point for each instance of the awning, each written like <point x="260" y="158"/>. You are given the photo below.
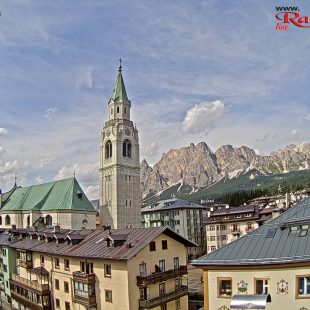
<point x="249" y="301"/>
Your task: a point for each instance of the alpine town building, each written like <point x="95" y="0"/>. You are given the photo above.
<point x="268" y="268"/>
<point x="120" y="198"/>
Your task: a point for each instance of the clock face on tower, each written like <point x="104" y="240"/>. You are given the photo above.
<point x="127" y="132"/>
<point x="108" y="132"/>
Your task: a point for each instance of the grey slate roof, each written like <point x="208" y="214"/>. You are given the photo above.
<point x="256" y="248"/>
<point x="171" y="204"/>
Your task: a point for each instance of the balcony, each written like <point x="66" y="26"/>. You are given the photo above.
<point x="25" y="264"/>
<point x="161" y="276"/>
<point x="29" y="284"/>
<point x="29" y="303"/>
<point x="85" y="300"/>
<point x="160" y="300"/>
<point x="81" y="277"/>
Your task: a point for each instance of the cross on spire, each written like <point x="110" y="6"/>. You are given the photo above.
<point x="120" y="65"/>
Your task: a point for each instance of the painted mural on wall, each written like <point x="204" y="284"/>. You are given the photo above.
<point x="242" y="287"/>
<point x="282" y="287"/>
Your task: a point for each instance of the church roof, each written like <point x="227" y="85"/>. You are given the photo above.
<point x="58" y="195"/>
<point x="282" y="240"/>
<point x="119" y="91"/>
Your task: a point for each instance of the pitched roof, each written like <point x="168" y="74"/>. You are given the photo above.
<point x="95" y="245"/>
<point x="119" y="91"/>
<point x="171" y="204"/>
<point x="58" y="195"/>
<point x="275" y="242"/>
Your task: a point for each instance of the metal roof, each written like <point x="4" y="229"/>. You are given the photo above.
<point x="262" y="248"/>
<point x="171" y="204"/>
<point x="58" y="195"/>
<point x="95" y="245"/>
<point x="119" y="91"/>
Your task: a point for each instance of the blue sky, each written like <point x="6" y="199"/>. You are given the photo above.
<point x="213" y="71"/>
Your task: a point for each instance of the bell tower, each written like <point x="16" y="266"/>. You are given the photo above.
<point x="120" y="198"/>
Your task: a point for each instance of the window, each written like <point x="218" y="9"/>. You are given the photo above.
<point x="56" y="284"/>
<point x="212" y="238"/>
<point x="152" y="246"/>
<point x="303" y="286"/>
<point x="304" y="230"/>
<point x="213" y="248"/>
<point x="87" y="267"/>
<point x="67" y="266"/>
<point x="67" y="305"/>
<point x="212" y="228"/>
<point x="162" y="265"/>
<point x="42" y="259"/>
<point x="48" y="220"/>
<point x="56" y="263"/>
<point x="66" y="287"/>
<point x="261" y="286"/>
<point x="117" y="109"/>
<point x="223" y="227"/>
<point x="235" y="227"/>
<point x="163" y="307"/>
<point x="125" y="110"/>
<point x="3" y="252"/>
<point x="224" y="286"/>
<point x="7" y="220"/>
<point x="223" y="237"/>
<point x="226" y="217"/>
<point x="176" y="263"/>
<point x="28" y="220"/>
<point x="178" y="303"/>
<point x="5" y="268"/>
<point x="108" y="295"/>
<point x="0" y="220"/>
<point x="271" y="233"/>
<point x="238" y="216"/>
<point x="108" y="149"/>
<point x="143" y="293"/>
<point x="142" y="269"/>
<point x="162" y="289"/>
<point x="107" y="270"/>
<point x="177" y="283"/>
<point x="249" y="226"/>
<point x="127" y="148"/>
<point x="164" y="244"/>
<point x="248" y="214"/>
<point x="57" y="303"/>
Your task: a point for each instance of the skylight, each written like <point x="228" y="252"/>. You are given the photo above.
<point x="271" y="233"/>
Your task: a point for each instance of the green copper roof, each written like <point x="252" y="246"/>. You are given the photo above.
<point x="59" y="195"/>
<point x="119" y="91"/>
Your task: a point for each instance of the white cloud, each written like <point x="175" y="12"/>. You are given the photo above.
<point x="3" y="131"/>
<point x="295" y="132"/>
<point x="92" y="191"/>
<point x="203" y="117"/>
<point x="86" y="173"/>
<point x="45" y="162"/>
<point x="39" y="179"/>
<point x="150" y="150"/>
<point x="50" y="112"/>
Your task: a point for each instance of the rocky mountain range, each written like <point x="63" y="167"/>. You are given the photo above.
<point x="198" y="166"/>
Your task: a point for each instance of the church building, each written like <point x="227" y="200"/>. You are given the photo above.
<point x="120" y="198"/>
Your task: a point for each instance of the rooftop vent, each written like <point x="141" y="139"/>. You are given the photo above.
<point x="271" y="233"/>
<point x="79" y="194"/>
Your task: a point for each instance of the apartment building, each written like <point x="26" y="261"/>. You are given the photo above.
<point x="268" y="268"/>
<point x="226" y="224"/>
<point x="184" y="217"/>
<point x="97" y="269"/>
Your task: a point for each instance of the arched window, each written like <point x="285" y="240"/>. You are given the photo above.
<point x="7" y="220"/>
<point x="48" y="220"/>
<point x="111" y="111"/>
<point x="127" y="148"/>
<point x="125" y="110"/>
<point x="28" y="220"/>
<point x="108" y="149"/>
<point x="0" y="220"/>
<point x="117" y="109"/>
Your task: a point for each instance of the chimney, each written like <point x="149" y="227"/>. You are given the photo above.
<point x="56" y="229"/>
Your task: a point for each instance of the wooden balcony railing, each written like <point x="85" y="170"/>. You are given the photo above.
<point x="81" y="277"/>
<point x="25" y="264"/>
<point x="85" y="300"/>
<point x="161" y="276"/>
<point x="29" y="303"/>
<point x="160" y="300"/>
<point x="29" y="284"/>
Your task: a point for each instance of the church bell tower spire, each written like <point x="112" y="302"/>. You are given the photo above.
<point x="120" y="197"/>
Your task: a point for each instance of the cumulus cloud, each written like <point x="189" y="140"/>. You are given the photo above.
<point x="86" y="173"/>
<point x="3" y="131"/>
<point x="203" y="117"/>
<point x="50" y="112"/>
<point x="150" y="150"/>
<point x="92" y="191"/>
